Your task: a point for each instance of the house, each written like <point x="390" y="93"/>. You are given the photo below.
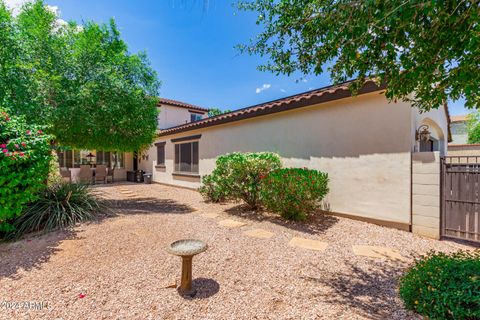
<point x="171" y="114"/>
<point x="377" y="154"/>
<point x="459" y="145"/>
<point x="458" y="127"/>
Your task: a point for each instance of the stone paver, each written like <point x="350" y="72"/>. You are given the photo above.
<point x="231" y="223"/>
<point x="308" y="244"/>
<point x="377" y="252"/>
<point x="210" y="215"/>
<point x="259" y="233"/>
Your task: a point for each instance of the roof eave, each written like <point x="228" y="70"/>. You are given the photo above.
<point x="306" y="99"/>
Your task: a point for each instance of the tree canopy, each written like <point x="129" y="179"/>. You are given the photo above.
<point x="473" y="127"/>
<point x="80" y="81"/>
<point x="431" y="48"/>
<point x="212" y="112"/>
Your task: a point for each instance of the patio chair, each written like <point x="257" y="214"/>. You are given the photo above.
<point x="101" y="173"/>
<point x="66" y="174"/>
<point x="110" y="172"/>
<point x="85" y="175"/>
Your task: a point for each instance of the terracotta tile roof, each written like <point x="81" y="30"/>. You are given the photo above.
<point x="180" y="104"/>
<point x="305" y="99"/>
<point x="458" y="118"/>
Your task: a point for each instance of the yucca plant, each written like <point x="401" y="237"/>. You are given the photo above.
<point x="59" y="206"/>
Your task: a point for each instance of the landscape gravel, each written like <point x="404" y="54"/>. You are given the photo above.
<point x="119" y="268"/>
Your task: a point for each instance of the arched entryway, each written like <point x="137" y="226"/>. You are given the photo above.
<point x="430" y="137"/>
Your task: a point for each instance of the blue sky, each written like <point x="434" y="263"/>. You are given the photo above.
<point x="193" y="50"/>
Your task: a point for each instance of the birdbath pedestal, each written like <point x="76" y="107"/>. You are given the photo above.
<point x="186" y="249"/>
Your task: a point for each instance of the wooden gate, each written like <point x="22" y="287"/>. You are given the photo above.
<point x="460" y="197"/>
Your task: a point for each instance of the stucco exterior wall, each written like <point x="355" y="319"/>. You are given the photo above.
<point x="363" y="143"/>
<point x="148" y="163"/>
<point x="170" y="116"/>
<point x="121" y="174"/>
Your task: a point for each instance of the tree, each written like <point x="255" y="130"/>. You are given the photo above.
<point x="212" y="112"/>
<point x="473" y="127"/>
<point x="431" y="48"/>
<point x="80" y="81"/>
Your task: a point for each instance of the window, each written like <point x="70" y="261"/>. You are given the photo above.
<point x="103" y="157"/>
<point x="186" y="157"/>
<point x="160" y="153"/>
<point x="195" y="117"/>
<point x="75" y="158"/>
<point x="80" y="158"/>
<point x="118" y="160"/>
<point x="65" y="158"/>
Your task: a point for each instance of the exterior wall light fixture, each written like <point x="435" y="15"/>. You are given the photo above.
<point x="422" y="133"/>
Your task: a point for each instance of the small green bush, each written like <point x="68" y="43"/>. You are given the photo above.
<point x="211" y="189"/>
<point x="294" y="192"/>
<point x="238" y="176"/>
<point x="24" y="165"/>
<point x="441" y="286"/>
<point x="58" y="207"/>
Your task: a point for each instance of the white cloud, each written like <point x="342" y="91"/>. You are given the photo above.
<point x="304" y="80"/>
<point x="264" y="87"/>
<point x="15" y="5"/>
<point x="53" y="9"/>
<point x="283" y="90"/>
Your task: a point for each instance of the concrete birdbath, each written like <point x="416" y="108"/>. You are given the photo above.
<point x="186" y="249"/>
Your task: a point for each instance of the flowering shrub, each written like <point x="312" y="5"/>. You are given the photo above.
<point x="238" y="176"/>
<point x="24" y="166"/>
<point x="294" y="192"/>
<point x="441" y="286"/>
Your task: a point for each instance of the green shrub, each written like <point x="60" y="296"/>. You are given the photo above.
<point x="441" y="286"/>
<point x="294" y="192"/>
<point x="211" y="189"/>
<point x="24" y="165"/>
<point x="58" y="207"/>
<point x="238" y="176"/>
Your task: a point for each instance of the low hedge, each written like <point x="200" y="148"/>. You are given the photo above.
<point x="294" y="192"/>
<point x="442" y="286"/>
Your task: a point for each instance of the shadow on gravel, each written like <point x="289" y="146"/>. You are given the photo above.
<point x="150" y="205"/>
<point x="370" y="293"/>
<point x="30" y="253"/>
<point x="205" y="288"/>
<point x="316" y="223"/>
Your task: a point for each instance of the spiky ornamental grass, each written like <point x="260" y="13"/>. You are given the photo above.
<point x="60" y="206"/>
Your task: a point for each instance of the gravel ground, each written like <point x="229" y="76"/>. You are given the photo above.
<point x="118" y="268"/>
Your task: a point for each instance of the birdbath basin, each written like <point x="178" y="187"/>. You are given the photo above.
<point x="187" y="248"/>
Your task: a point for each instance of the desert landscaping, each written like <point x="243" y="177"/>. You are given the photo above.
<point x="260" y="267"/>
